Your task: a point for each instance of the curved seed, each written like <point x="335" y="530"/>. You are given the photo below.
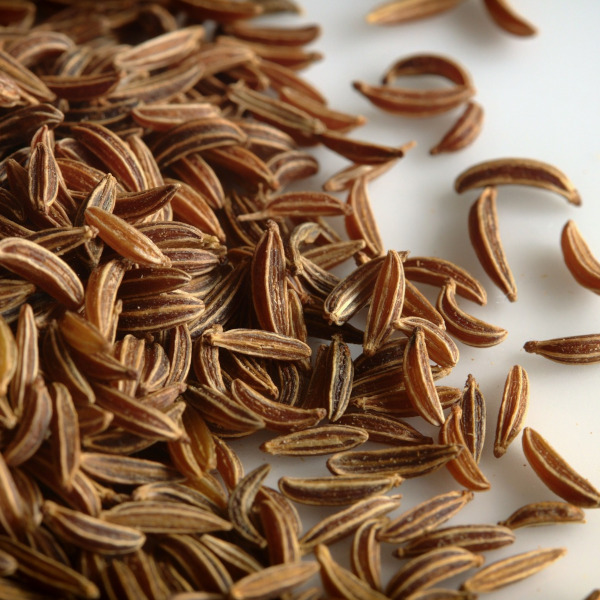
<point x="315" y="441"/>
<point x="544" y="513"/>
<point x="506" y="18"/>
<point x="556" y="473"/>
<point x="464" y="132"/>
<point x="513" y="409"/>
<point x="579" y="260"/>
<point x="485" y="238"/>
<point x="42" y="268"/>
<point x="517" y="171"/>
<point x="402" y="11"/>
<point x="463" y="468"/>
<point x="468" y="329"/>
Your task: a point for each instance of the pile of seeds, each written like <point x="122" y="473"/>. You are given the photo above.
<point x="162" y="294"/>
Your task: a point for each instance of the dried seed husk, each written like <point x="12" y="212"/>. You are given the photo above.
<point x="463" y="468"/>
<point x="341" y="582"/>
<point x="360" y="223"/>
<point x="386" y="302"/>
<point x="475" y="538"/>
<point x="437" y="271"/>
<point x="429" y="568"/>
<point x="403" y="11"/>
<point x="579" y="260"/>
<point x="336" y="491"/>
<point x="485" y="238"/>
<point x="269" y="281"/>
<point x="573" y="350"/>
<point x="91" y="533"/>
<point x="517" y="171"/>
<point x="385" y="429"/>
<point x="344" y="522"/>
<point x="424" y="517"/>
<point x="467" y="328"/>
<point x="463" y="132"/>
<point x="273" y="581"/>
<point x="418" y="379"/>
<point x="314" y="441"/>
<point x="358" y="151"/>
<point x="151" y="516"/>
<point x="406" y="461"/>
<point x="47" y="572"/>
<point x="506" y="18"/>
<point x="544" y="513"/>
<point x="278" y="529"/>
<point x="473" y="420"/>
<point x="276" y="416"/>
<point x="240" y="504"/>
<point x="365" y="553"/>
<point x="556" y="473"/>
<point x="42" y="268"/>
<point x="513" y="409"/>
<point x="512" y="569"/>
<point x="8" y="360"/>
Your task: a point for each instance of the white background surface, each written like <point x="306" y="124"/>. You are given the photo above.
<point x="541" y="96"/>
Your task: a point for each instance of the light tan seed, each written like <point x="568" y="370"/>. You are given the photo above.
<point x="573" y="350"/>
<point x="402" y="11"/>
<point x="556" y="473"/>
<point x="365" y="553"/>
<point x="279" y="531"/>
<point x="385" y="429"/>
<point x="513" y="409"/>
<point x="485" y="237"/>
<point x="579" y="260"/>
<point x="511" y="570"/>
<point x="467" y="328"/>
<point x="273" y="581"/>
<point x="544" y="513"/>
<point x="517" y="171"/>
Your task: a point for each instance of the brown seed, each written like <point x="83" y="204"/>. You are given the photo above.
<point x="336" y="491"/>
<point x="429" y="568"/>
<point x="360" y="223"/>
<point x="273" y="581"/>
<point x="517" y="171"/>
<point x="385" y="429"/>
<point x="365" y="553"/>
<point x="511" y="570"/>
<point x="436" y="271"/>
<point x="485" y="238"/>
<point x="42" y="268"/>
<point x="556" y="473"/>
<point x="463" y="468"/>
<point x="579" y="259"/>
<point x="473" y="420"/>
<point x="467" y="328"/>
<point x="344" y="522"/>
<point x="475" y="538"/>
<point x="406" y="461"/>
<point x="574" y="350"/>
<point x="513" y="409"/>
<point x="464" y="132"/>
<point x="402" y="11"/>
<point x="505" y="17"/>
<point x="314" y="441"/>
<point x="544" y="513"/>
<point x="418" y="379"/>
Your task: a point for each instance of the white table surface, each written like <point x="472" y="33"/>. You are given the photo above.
<point x="541" y="96"/>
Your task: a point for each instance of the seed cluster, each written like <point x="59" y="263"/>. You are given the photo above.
<point x="164" y="292"/>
